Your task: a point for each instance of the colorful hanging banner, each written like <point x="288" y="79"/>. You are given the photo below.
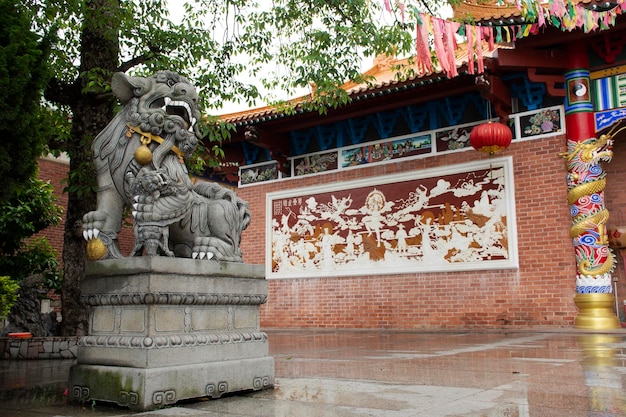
<point x="441" y="34"/>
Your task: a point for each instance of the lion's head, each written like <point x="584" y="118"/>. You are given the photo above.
<point x="165" y="105"/>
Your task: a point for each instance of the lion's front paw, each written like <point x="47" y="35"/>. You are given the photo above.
<point x="93" y="222"/>
<point x="202" y="248"/>
<point x="212" y="248"/>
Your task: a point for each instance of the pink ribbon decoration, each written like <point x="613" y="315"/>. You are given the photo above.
<point x="469" y="33"/>
<point x="450" y="45"/>
<point x="424" y="60"/>
<point x="440" y="50"/>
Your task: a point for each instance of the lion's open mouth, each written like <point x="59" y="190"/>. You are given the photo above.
<point x="177" y="108"/>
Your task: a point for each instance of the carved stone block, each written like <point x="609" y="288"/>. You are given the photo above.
<point x="163" y="330"/>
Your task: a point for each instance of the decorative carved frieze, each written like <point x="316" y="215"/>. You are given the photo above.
<point x="169" y="341"/>
<point x="150" y="298"/>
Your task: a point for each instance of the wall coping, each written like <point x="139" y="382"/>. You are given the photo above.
<point x="39" y="347"/>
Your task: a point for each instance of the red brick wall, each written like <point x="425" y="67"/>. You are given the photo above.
<point x="55" y="170"/>
<point x="540" y="293"/>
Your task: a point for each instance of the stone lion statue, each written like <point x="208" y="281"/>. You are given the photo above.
<point x="139" y="158"/>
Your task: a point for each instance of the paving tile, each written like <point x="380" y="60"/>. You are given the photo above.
<point x="385" y="374"/>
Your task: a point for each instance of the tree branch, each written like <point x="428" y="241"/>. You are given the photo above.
<point x="125" y="66"/>
<point x="153" y="51"/>
<point x="104" y="97"/>
<point x="427" y="8"/>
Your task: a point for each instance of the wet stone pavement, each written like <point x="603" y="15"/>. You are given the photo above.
<point x="390" y="374"/>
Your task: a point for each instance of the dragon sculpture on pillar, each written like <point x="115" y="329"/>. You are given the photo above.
<point x="139" y="158"/>
<point x="586" y="181"/>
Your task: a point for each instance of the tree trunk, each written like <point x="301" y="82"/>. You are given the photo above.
<point x="92" y="110"/>
<point x="74" y="311"/>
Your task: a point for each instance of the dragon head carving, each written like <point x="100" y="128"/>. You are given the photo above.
<point x="581" y="155"/>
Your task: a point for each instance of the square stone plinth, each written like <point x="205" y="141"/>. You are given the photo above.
<point x="151" y="388"/>
<point x="166" y="329"/>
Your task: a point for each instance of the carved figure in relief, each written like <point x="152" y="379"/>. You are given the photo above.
<point x="139" y="158"/>
<point x="453" y="220"/>
<point x="373" y="219"/>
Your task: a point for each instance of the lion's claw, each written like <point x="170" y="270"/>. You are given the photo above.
<point x="93" y="223"/>
<point x="202" y="255"/>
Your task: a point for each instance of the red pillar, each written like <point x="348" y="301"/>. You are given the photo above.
<point x="579" y="117"/>
<point x="585" y="181"/>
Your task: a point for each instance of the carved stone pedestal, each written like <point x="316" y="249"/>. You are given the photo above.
<point x="165" y="329"/>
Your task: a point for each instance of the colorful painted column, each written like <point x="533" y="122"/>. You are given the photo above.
<point x="586" y="181"/>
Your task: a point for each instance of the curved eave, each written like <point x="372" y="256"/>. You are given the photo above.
<point x="357" y="94"/>
<point x="491" y="14"/>
<point x="484" y="13"/>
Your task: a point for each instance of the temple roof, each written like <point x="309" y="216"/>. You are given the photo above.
<point x="383" y="74"/>
<point x="481" y="10"/>
<point x="505" y="12"/>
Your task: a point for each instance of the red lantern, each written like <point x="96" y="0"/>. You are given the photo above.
<point x="491" y="137"/>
